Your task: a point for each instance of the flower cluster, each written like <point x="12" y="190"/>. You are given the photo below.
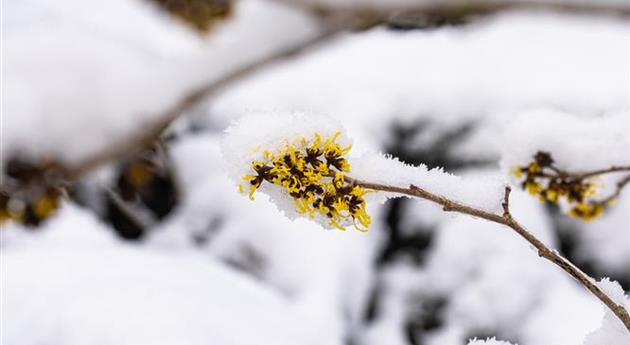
<point x="31" y="192"/>
<point x="541" y="178"/>
<point x="312" y="172"/>
<point x="29" y="211"/>
<point x="199" y="14"/>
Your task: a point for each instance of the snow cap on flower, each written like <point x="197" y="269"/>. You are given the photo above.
<point x="299" y="160"/>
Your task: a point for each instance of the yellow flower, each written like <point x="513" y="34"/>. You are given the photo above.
<point x="577" y="192"/>
<point x="533" y="187"/>
<point x="533" y="167"/>
<point x="587" y="211"/>
<point x="551" y="195"/>
<point x="518" y="173"/>
<point x="312" y="173"/>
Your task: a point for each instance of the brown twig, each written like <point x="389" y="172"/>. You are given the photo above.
<point x="618" y="188"/>
<point x="594" y="173"/>
<point x="388" y="11"/>
<point x="506" y="219"/>
<point x="506" y="202"/>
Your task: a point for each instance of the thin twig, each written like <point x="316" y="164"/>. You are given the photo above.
<point x="593" y="173"/>
<point x="385" y="10"/>
<point x="618" y="188"/>
<point x="506" y="202"/>
<point x="577" y="176"/>
<point x="506" y="219"/>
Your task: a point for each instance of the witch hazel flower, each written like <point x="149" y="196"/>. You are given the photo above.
<point x="542" y="178"/>
<point x="300" y="161"/>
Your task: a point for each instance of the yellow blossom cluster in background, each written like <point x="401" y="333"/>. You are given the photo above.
<point x="202" y="15"/>
<point x="30" y="194"/>
<point x="312" y="172"/>
<point x="541" y="178"/>
<point x="30" y="212"/>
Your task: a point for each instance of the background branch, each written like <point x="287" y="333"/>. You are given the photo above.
<point x="593" y="173"/>
<point x="333" y="20"/>
<point x="148" y="135"/>
<point x="448" y="8"/>
<point x="618" y="188"/>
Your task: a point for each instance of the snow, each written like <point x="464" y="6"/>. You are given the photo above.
<point x="610" y="232"/>
<point x="79" y="75"/>
<point x="130" y="60"/>
<point x="485" y="193"/>
<point x="81" y="291"/>
<point x="604" y="140"/>
<point x="486" y="71"/>
<point x="612" y="330"/>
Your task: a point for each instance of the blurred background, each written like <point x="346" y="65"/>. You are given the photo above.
<point x="119" y="225"/>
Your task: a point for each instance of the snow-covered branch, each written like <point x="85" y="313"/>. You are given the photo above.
<point x="509" y="221"/>
<point x="300" y="161"/>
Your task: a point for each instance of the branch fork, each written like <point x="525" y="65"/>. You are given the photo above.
<point x="506" y="219"/>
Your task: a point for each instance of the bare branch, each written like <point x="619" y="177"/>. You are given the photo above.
<point x="619" y="187"/>
<point x="506" y="202"/>
<point x="386" y="11"/>
<point x="593" y="173"/>
<point x="507" y="220"/>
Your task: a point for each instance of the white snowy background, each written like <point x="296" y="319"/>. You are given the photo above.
<point x="79" y="76"/>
